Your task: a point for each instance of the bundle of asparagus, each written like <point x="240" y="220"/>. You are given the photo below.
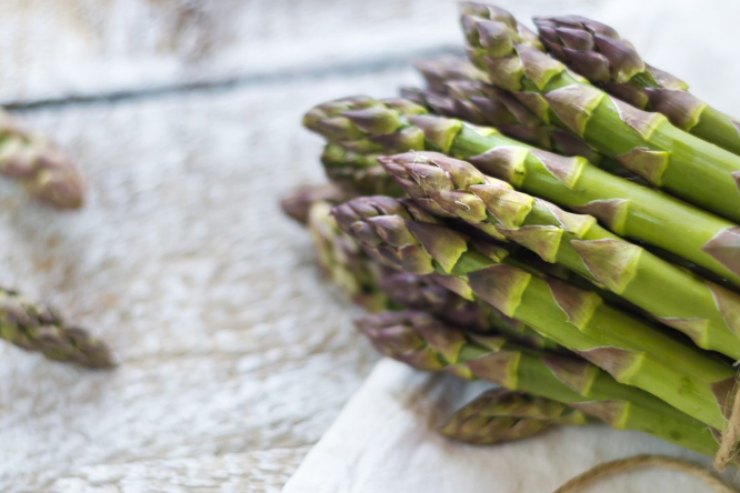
<point x="566" y="232"/>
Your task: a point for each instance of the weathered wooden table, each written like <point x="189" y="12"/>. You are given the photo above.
<point x="185" y="115"/>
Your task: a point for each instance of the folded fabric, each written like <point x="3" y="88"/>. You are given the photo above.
<point x="385" y="440"/>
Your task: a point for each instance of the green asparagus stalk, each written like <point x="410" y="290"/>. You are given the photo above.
<point x="500" y="415"/>
<point x="425" y="343"/>
<point x="382" y="126"/>
<point x="476" y="101"/>
<point x="704" y="311"/>
<point x="457" y="89"/>
<point x="645" y="143"/>
<point x="370" y="285"/>
<point x="46" y="172"/>
<point x="633" y="352"/>
<point x="426" y="293"/>
<point x="34" y="327"/>
<point x="597" y="52"/>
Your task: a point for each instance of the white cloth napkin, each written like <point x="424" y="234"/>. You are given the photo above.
<point x="384" y="441"/>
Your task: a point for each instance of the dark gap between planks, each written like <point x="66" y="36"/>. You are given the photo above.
<point x="369" y="65"/>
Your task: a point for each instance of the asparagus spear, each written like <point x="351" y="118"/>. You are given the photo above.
<point x="297" y="203"/>
<point x="356" y="173"/>
<point x="628" y="209"/>
<point x="425" y="293"/>
<point x="646" y="143"/>
<point x="440" y="71"/>
<point x="704" y="311"/>
<point x="38" y="328"/>
<point x="342" y="260"/>
<point x="597" y="52"/>
<point x="47" y="173"/>
<point x="426" y="343"/>
<point x="407" y="238"/>
<point x="474" y="100"/>
<point x="500" y="415"/>
<point x="457" y="89"/>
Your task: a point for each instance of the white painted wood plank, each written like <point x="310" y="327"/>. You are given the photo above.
<point x="57" y="48"/>
<point x="260" y="471"/>
<point x="229" y="341"/>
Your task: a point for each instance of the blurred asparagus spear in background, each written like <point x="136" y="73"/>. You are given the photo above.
<point x="597" y="52"/>
<point x="36" y="327"/>
<point x="426" y="293"/>
<point x="42" y="168"/>
<point x="669" y="293"/>
<point x="343" y="261"/>
<point x="500" y="415"/>
<point x="357" y="173"/>
<point x="420" y="340"/>
<point x="369" y="126"/>
<point x="297" y="203"/>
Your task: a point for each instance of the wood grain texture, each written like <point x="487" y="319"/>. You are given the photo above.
<point x="256" y="471"/>
<point x="54" y="49"/>
<point x="228" y="340"/>
<point x="82" y="47"/>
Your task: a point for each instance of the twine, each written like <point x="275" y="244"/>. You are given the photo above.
<point x="731" y="435"/>
<point x="728" y="448"/>
<point x="640" y="461"/>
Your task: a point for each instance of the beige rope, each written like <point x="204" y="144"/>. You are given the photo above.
<point x="730" y="437"/>
<point x="728" y="449"/>
<point x="639" y="461"/>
